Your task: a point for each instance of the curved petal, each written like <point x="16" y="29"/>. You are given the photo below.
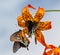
<point x="48" y="53"/>
<point x="20" y="21"/>
<point x="39" y="37"/>
<point x="26" y="14"/>
<point x="53" y="50"/>
<point x="39" y="14"/>
<point x="57" y="51"/>
<point x="44" y="25"/>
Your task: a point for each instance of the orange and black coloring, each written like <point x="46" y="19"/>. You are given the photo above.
<point x="52" y="50"/>
<point x="19" y="41"/>
<point x="31" y="25"/>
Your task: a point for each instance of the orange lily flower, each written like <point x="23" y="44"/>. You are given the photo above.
<point x="53" y="51"/>
<point x="34" y="25"/>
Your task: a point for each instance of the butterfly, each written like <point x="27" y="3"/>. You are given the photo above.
<point x="19" y="41"/>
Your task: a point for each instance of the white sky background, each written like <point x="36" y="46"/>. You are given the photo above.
<point x="11" y="9"/>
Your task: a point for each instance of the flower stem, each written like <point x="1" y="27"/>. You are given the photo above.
<point x="52" y="10"/>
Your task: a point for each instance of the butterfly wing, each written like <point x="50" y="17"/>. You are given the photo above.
<point x="16" y="46"/>
<point x="19" y="41"/>
<point x="15" y="36"/>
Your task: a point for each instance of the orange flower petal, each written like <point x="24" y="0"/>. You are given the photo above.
<point x="39" y="36"/>
<point x="20" y="23"/>
<point x="39" y="15"/>
<point x="54" y="50"/>
<point x="44" y="25"/>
